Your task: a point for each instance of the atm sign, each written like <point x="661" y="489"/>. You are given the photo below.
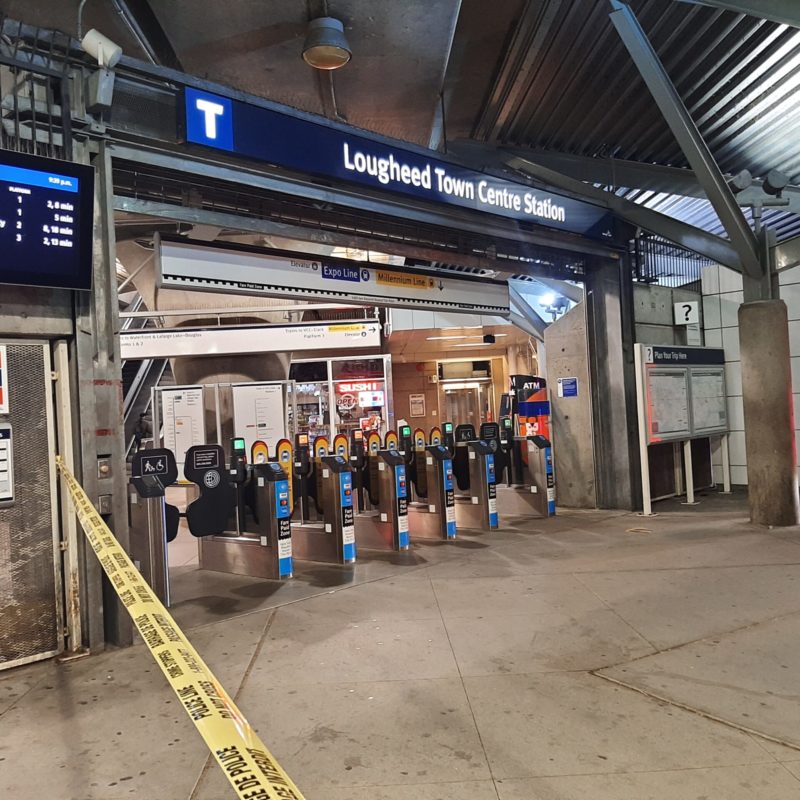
<point x="3" y="380"/>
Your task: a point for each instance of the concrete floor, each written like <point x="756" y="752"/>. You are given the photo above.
<point x="597" y="655"/>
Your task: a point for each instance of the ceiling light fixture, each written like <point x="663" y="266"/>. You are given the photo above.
<point x="326" y="46"/>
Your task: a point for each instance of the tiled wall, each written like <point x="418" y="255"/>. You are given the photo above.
<point x="722" y="296"/>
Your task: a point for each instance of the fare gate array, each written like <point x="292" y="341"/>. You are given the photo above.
<point x="259" y="513"/>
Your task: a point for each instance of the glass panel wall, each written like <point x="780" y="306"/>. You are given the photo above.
<point x="339" y="395"/>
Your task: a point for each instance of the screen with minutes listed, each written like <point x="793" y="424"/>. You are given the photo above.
<point x="46" y="219"/>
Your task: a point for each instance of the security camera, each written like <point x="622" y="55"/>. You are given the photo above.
<point x="488" y="338"/>
<point x="741" y="181"/>
<point x="775" y="182"/>
<point x="101" y="48"/>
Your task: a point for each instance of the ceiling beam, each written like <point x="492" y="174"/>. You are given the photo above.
<point x="619" y="173"/>
<point x="616" y="173"/>
<point x="688" y="136"/>
<point x="692" y="238"/>
<point x="493" y="160"/>
<point x="786" y="12"/>
<point x="144" y="25"/>
<point x="524" y="316"/>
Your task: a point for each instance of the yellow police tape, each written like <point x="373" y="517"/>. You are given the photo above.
<point x="249" y="766"/>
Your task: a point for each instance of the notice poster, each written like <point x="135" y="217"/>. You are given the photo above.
<point x="258" y="413"/>
<point x="3" y="380"/>
<point x="709" y="406"/>
<point x="183" y="420"/>
<point x="416" y="403"/>
<point x="668" y="404"/>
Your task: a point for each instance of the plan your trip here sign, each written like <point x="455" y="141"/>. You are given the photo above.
<point x="313" y="147"/>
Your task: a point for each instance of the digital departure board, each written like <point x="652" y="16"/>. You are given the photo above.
<point x="46" y="215"/>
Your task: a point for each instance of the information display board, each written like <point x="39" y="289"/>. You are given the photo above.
<point x="709" y="404"/>
<point x="259" y="413"/>
<point x="46" y="221"/>
<point x="684" y="392"/>
<point x="668" y="404"/>
<point x="183" y="420"/>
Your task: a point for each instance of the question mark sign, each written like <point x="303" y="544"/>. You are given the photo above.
<point x="687" y="309"/>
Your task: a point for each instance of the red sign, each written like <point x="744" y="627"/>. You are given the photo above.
<point x="361" y="386"/>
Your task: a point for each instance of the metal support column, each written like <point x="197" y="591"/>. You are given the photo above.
<point x="103" y="471"/>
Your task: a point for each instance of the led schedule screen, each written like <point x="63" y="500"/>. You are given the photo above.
<point x="46" y="213"/>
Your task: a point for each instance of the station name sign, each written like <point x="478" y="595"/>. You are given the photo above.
<point x="296" y="143"/>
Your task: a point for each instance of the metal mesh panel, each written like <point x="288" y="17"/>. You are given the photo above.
<point x="29" y="608"/>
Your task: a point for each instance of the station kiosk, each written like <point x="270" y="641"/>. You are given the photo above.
<point x="152" y="521"/>
<point x="387" y="527"/>
<point x="474" y="468"/>
<point x="231" y="540"/>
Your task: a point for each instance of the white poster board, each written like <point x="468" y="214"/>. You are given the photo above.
<point x="709" y="404"/>
<point x="259" y="412"/>
<point x="680" y="395"/>
<point x="668" y="404"/>
<point x="183" y="420"/>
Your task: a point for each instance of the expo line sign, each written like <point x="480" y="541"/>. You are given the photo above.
<point x="177" y="342"/>
<point x="240" y="269"/>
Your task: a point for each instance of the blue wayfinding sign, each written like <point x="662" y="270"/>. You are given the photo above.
<point x="341" y="273"/>
<point x="265" y="134"/>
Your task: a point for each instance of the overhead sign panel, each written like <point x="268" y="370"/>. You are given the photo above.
<point x="237" y="341"/>
<point x="278" y="273"/>
<point x="304" y="145"/>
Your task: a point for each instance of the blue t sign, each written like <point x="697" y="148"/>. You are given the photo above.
<point x="209" y="119"/>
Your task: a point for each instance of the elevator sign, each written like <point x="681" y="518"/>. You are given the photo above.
<point x="315" y="146"/>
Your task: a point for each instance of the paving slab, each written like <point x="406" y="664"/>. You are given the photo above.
<point x="305" y="647"/>
<point x="106" y="727"/>
<point x="570" y="724"/>
<point x="474" y="790"/>
<point x="542" y="642"/>
<point x="748" y="677"/>
<point x="672" y="607"/>
<point x="364" y="734"/>
<point x="754" y="782"/>
<point x="533" y="594"/>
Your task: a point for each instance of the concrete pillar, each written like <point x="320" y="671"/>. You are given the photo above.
<point x="768" y="414"/>
<point x="610" y="338"/>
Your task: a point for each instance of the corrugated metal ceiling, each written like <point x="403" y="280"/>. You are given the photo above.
<point x="567" y="84"/>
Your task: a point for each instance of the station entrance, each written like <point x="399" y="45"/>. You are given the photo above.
<point x="340" y="361"/>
